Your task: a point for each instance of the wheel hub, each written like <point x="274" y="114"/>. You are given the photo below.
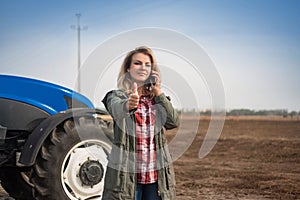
<point x="77" y="170"/>
<point x="91" y="172"/>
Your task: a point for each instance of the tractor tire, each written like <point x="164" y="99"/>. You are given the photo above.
<point x="16" y="184"/>
<point x="72" y="162"/>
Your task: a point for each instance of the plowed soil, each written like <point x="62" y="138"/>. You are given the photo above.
<point x="255" y="158"/>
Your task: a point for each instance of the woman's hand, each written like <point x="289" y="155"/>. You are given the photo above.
<point x="133" y="99"/>
<point x="156" y="87"/>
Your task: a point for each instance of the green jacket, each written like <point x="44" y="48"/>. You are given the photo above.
<point x="120" y="179"/>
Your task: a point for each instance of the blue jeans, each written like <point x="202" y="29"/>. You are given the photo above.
<point x="147" y="192"/>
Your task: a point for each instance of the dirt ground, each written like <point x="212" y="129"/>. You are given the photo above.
<point x="255" y="158"/>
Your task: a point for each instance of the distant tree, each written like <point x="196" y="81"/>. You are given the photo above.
<point x="285" y="113"/>
<point x="237" y="112"/>
<point x="293" y="114"/>
<point x="205" y="112"/>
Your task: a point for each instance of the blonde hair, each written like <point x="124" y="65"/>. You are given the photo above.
<point x="124" y="79"/>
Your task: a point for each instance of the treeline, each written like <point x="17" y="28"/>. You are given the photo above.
<point x="245" y="112"/>
<point x="279" y="112"/>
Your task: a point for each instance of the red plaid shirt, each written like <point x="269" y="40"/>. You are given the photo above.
<point x="145" y="144"/>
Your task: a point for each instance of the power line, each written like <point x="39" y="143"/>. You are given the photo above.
<point x="78" y="28"/>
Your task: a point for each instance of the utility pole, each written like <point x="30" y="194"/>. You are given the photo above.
<point x="78" y="28"/>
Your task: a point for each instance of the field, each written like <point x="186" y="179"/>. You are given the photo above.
<point x="255" y="158"/>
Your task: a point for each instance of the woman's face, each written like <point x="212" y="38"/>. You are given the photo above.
<point x="140" y="68"/>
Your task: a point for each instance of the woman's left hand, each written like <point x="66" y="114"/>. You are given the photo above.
<point x="156" y="87"/>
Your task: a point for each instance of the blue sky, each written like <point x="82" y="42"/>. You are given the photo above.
<point x="255" y="44"/>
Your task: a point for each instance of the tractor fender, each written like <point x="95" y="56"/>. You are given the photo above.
<point x="41" y="132"/>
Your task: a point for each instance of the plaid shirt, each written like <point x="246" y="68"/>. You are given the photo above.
<point x="145" y="144"/>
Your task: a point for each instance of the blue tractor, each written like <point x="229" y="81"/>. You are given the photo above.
<point x="53" y="143"/>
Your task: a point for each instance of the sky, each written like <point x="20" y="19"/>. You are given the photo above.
<point x="254" y="45"/>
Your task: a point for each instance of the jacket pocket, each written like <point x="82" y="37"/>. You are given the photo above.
<point x="114" y="180"/>
<point x="170" y="177"/>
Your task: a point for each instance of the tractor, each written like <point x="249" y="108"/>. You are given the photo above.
<point x="54" y="144"/>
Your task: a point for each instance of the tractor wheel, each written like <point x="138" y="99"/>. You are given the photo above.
<point x="16" y="184"/>
<point x="72" y="162"/>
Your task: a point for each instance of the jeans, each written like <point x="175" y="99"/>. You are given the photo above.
<point x="147" y="192"/>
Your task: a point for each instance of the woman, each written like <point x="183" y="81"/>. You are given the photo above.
<point x="140" y="166"/>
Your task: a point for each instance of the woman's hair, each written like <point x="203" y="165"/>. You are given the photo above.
<point x="124" y="79"/>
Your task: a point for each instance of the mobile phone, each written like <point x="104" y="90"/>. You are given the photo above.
<point x="150" y="81"/>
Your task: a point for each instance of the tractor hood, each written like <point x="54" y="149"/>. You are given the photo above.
<point x="47" y="96"/>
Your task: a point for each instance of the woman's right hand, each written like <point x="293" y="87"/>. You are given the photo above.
<point x="133" y="99"/>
